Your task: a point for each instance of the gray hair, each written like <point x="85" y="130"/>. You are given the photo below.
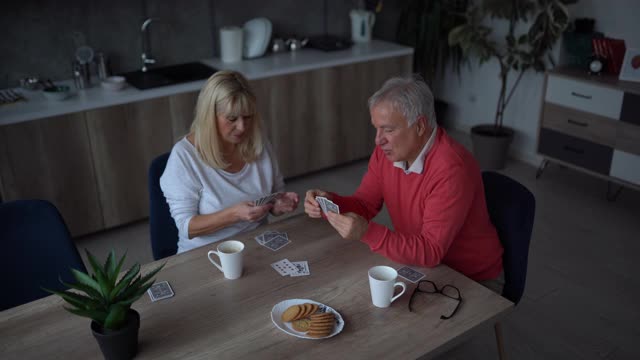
<point x="408" y="95"/>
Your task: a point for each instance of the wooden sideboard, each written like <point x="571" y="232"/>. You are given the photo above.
<point x="93" y="164"/>
<point x="592" y="124"/>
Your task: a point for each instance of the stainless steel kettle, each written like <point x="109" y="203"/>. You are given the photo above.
<point x="296" y="44"/>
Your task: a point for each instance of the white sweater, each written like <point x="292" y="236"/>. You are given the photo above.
<point x="192" y="187"/>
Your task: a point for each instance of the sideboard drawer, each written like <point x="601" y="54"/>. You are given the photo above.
<point x="626" y="166"/>
<point x="582" y="125"/>
<point x="583" y="96"/>
<point x="628" y="137"/>
<point x="586" y="154"/>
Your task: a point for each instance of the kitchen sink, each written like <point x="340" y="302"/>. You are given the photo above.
<point x="169" y="75"/>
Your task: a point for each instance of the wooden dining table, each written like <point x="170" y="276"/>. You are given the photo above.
<point x="213" y="317"/>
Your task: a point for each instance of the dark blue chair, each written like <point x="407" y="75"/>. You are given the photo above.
<point x="512" y="210"/>
<point x="164" y="233"/>
<point x="37" y="251"/>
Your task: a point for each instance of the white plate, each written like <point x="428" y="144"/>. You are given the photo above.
<point x="279" y="308"/>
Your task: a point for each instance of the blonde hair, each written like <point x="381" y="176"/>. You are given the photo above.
<point x="226" y="92"/>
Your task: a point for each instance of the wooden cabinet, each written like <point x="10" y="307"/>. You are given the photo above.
<point x="319" y="118"/>
<point x="182" y="112"/>
<point x="124" y="140"/>
<point x="51" y="159"/>
<point x="591" y="124"/>
<point x="93" y="165"/>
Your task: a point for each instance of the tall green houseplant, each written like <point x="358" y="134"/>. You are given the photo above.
<point x="533" y="27"/>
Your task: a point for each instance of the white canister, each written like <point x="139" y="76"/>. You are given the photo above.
<point x="231" y="44"/>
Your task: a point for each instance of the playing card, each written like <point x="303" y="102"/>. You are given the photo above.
<point x="266" y="199"/>
<point x="331" y="206"/>
<point x="159" y="291"/>
<point x="261" y="238"/>
<point x="410" y="274"/>
<point x="270" y="235"/>
<point x="277" y="242"/>
<point x="302" y="268"/>
<point x="284" y="267"/>
<point x="321" y="201"/>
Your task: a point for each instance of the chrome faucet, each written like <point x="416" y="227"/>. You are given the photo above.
<point x="147" y="59"/>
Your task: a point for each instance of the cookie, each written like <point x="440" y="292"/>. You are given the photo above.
<point x="323" y="316"/>
<point x="328" y="328"/>
<point x="291" y="313"/>
<point x="307" y="310"/>
<point x="318" y="334"/>
<point x="314" y="309"/>
<point x="301" y="325"/>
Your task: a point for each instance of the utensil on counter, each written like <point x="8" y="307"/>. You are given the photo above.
<point x="57" y="93"/>
<point x="103" y="66"/>
<point x="10" y="96"/>
<point x="47" y="84"/>
<point x="278" y="45"/>
<point x="114" y="83"/>
<point x="296" y="44"/>
<point x="30" y="83"/>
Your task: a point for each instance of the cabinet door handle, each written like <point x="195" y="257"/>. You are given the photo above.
<point x="572" y="149"/>
<point x="588" y="97"/>
<point x="579" y="123"/>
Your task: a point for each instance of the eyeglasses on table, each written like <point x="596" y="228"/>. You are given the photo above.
<point x="429" y="287"/>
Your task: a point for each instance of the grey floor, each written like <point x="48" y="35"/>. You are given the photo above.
<point x="582" y="299"/>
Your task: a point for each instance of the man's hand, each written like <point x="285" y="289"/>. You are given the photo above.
<point x="245" y="211"/>
<point x="311" y="206"/>
<point x="285" y="203"/>
<point x="350" y="226"/>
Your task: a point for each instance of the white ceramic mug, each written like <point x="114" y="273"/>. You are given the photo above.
<point x="230" y="254"/>
<point x="382" y="282"/>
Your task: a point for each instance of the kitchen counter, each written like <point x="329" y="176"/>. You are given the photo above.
<point x="38" y="107"/>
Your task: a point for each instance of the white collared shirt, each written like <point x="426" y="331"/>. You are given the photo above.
<point x="418" y="163"/>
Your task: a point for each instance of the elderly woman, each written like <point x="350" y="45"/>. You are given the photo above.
<point x="215" y="172"/>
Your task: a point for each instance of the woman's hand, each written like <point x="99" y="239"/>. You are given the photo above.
<point x="245" y="211"/>
<point x="311" y="206"/>
<point x="285" y="203"/>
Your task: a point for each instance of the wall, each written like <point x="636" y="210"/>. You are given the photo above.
<point x="40" y="37"/>
<point x="473" y="96"/>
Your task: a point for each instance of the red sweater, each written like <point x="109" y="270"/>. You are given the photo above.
<point x="439" y="216"/>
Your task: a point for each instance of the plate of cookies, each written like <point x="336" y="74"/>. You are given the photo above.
<point x="307" y="319"/>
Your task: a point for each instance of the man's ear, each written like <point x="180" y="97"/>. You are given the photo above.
<point x="421" y="125"/>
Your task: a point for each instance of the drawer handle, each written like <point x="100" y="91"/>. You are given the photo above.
<point x="579" y="123"/>
<point x="588" y="97"/>
<point x="574" y="150"/>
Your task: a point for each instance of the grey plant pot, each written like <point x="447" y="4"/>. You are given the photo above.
<point x="120" y="344"/>
<point x="491" y="145"/>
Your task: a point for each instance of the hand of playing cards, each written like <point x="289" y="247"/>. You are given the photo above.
<point x="327" y="205"/>
<point x="266" y="199"/>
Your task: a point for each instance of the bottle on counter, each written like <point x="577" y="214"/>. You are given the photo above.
<point x="102" y="63"/>
<point x="81" y="75"/>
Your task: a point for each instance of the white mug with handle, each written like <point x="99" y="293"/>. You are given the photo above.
<point x="230" y="254"/>
<point x="382" y="282"/>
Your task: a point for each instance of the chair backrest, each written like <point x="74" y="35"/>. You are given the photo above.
<point x="164" y="234"/>
<point x="37" y="251"/>
<point x="512" y="209"/>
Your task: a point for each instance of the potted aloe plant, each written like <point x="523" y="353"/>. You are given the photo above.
<point x="534" y="26"/>
<point x="107" y="301"/>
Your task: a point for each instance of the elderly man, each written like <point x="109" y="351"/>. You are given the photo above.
<point x="431" y="185"/>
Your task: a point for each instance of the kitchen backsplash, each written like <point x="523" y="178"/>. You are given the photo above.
<point x="41" y="36"/>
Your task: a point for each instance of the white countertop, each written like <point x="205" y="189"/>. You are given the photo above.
<point x="38" y="107"/>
